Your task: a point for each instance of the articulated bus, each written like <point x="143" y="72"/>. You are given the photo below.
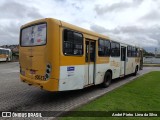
<point x="5" y="54"/>
<point x="57" y="56"/>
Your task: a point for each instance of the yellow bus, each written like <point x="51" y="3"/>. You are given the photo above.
<point x="57" y="56"/>
<point x="5" y="54"/>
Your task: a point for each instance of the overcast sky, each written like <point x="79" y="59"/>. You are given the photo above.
<point x="130" y="21"/>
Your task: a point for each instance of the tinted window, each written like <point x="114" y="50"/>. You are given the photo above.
<point x="4" y="51"/>
<point x="132" y="51"/>
<point x="115" y="49"/>
<point x="72" y="43"/>
<point x="129" y="51"/>
<point x="123" y="53"/>
<point x="103" y="47"/>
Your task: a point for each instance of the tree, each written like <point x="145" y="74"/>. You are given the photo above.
<point x="145" y="53"/>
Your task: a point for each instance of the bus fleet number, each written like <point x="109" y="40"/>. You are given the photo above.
<point x="39" y="77"/>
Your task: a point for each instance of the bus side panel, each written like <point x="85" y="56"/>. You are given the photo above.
<point x="72" y="69"/>
<point x="137" y="62"/>
<point x="100" y="72"/>
<point x="71" y="77"/>
<point x="115" y="67"/>
<point x="130" y="65"/>
<point x="3" y="57"/>
<point x="102" y="65"/>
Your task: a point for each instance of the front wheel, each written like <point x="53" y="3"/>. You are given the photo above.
<point x="107" y="79"/>
<point x="6" y="59"/>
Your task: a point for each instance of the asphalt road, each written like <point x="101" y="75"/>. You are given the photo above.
<point x="18" y="96"/>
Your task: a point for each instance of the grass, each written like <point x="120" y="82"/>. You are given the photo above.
<point x="142" y="94"/>
<point x="151" y="65"/>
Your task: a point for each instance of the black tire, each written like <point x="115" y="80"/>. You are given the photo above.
<point x="7" y="60"/>
<point x="136" y="70"/>
<point x="107" y="79"/>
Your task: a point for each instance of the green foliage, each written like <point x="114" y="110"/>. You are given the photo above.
<point x="142" y="94"/>
<point x="145" y="53"/>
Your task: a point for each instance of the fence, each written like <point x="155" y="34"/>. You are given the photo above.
<point x="151" y="60"/>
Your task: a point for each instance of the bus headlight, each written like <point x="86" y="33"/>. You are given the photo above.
<point x="48" y="71"/>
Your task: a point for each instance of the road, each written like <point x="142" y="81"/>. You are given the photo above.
<point x="18" y="96"/>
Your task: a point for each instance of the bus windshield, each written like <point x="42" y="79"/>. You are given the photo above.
<point x="34" y="35"/>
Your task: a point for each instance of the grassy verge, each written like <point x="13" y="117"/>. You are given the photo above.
<point x="151" y="65"/>
<point x="142" y="94"/>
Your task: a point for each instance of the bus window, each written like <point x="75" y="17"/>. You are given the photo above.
<point x="115" y="49"/>
<point x="129" y="51"/>
<point x="133" y="52"/>
<point x="123" y="53"/>
<point x="103" y="48"/>
<point x="92" y="51"/>
<point x="34" y="35"/>
<point x="72" y="43"/>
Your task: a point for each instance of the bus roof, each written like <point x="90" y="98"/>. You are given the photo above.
<point x="5" y="49"/>
<point x="67" y="25"/>
<point x="73" y="27"/>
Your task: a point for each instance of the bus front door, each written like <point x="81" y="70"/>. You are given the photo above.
<point x="123" y="61"/>
<point x="90" y="62"/>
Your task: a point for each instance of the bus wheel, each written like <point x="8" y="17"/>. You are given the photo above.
<point x="6" y="59"/>
<point x="107" y="79"/>
<point x="136" y="70"/>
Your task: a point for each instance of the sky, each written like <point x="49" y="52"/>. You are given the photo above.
<point x="130" y="21"/>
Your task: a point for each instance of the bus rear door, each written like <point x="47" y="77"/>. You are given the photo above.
<point x="90" y="62"/>
<point x="123" y="61"/>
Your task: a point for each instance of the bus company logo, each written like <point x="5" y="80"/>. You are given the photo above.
<point x="70" y="68"/>
<point x="6" y="114"/>
<point x="20" y="114"/>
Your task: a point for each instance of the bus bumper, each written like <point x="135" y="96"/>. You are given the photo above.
<point x="48" y="85"/>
